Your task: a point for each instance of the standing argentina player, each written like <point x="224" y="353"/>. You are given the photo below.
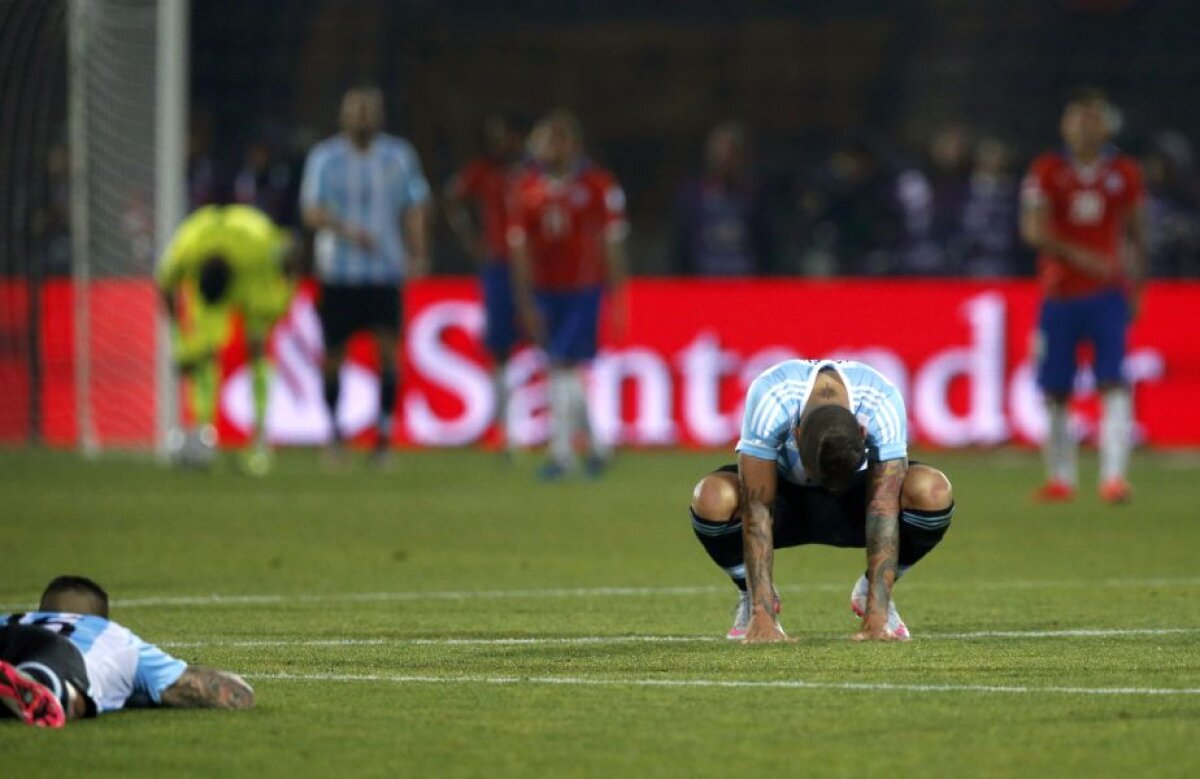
<point x="822" y="459"/>
<point x="68" y="660"/>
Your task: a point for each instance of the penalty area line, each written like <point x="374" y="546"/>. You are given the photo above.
<point x="264" y="599"/>
<point x="781" y="684"/>
<point x="601" y="640"/>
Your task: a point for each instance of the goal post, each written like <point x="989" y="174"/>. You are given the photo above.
<point x="127" y="114"/>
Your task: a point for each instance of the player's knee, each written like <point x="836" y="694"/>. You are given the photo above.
<point x="715" y="497"/>
<point x="927" y="489"/>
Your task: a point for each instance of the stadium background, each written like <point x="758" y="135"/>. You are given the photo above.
<point x="809" y="80"/>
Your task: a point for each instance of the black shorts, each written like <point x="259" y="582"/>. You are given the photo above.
<point x="29" y="644"/>
<point x="347" y="309"/>
<point x="812" y="515"/>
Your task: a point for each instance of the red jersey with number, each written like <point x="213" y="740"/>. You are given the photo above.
<point x="566" y="223"/>
<point x="1088" y="206"/>
<point x="485" y="182"/>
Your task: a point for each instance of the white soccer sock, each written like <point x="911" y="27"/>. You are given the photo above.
<point x="500" y="384"/>
<point x="597" y="447"/>
<point x="1058" y="450"/>
<point x="1116" y="433"/>
<point x="562" y="417"/>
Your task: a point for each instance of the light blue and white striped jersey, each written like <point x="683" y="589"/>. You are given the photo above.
<point x="123" y="670"/>
<point x="779" y="394"/>
<point x="370" y="190"/>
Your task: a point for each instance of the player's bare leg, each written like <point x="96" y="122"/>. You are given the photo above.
<point x="926" y="504"/>
<point x="718" y="525"/>
<point x="1058" y="453"/>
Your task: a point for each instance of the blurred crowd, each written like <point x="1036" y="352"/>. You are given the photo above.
<point x="865" y="209"/>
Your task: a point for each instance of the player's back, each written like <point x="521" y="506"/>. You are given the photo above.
<point x="778" y="396"/>
<point x="123" y="670"/>
<point x="243" y="235"/>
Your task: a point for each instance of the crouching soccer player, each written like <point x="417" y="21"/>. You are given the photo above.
<point x="224" y="260"/>
<point x="68" y="660"/>
<point x="822" y="459"/>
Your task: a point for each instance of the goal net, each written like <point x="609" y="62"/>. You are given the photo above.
<point x="127" y="104"/>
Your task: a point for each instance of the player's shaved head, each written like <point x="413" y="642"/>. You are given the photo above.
<point x="75" y="595"/>
<point x="362" y="113"/>
<point x="832" y="446"/>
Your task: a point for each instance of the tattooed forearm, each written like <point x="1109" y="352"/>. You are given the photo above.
<point x="758" y="545"/>
<point x="883" y="533"/>
<point x="208" y="688"/>
<point x="759" y="553"/>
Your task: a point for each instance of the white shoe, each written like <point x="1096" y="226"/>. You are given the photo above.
<point x="741" y="614"/>
<point x="858" y="604"/>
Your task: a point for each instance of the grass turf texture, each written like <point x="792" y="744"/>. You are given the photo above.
<point x="507" y="558"/>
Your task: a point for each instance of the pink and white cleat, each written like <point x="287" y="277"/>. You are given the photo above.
<point x="858" y="604"/>
<point x="741" y="614"/>
<point x="30" y="702"/>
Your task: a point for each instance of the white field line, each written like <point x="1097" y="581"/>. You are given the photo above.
<point x="585" y="640"/>
<point x="783" y="684"/>
<point x="601" y="592"/>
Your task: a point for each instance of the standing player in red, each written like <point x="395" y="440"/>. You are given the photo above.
<point x="1082" y="209"/>
<point x="477" y="210"/>
<point x="567" y="233"/>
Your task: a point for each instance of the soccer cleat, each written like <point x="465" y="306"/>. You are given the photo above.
<point x="30" y="702"/>
<point x="858" y="604"/>
<point x="552" y="471"/>
<point x="741" y="614"/>
<point x="1054" y="491"/>
<point x="595" y="466"/>
<point x="257" y="461"/>
<point x="1116" y="491"/>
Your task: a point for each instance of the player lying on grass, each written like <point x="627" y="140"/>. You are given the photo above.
<point x="822" y="460"/>
<point x="67" y="661"/>
<point x="222" y="261"/>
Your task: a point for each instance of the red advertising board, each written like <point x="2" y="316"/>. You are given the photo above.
<point x="959" y="351"/>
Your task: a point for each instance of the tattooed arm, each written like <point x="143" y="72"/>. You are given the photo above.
<point x="208" y="688"/>
<point x="758" y="483"/>
<point x="884" y="480"/>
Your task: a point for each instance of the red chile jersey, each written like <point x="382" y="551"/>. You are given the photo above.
<point x="566" y="223"/>
<point x="1087" y="206"/>
<point x="485" y="181"/>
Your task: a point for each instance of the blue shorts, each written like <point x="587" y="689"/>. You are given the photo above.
<point x="571" y="320"/>
<point x="1101" y="319"/>
<point x="500" y="323"/>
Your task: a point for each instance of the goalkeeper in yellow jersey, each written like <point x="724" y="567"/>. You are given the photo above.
<point x="222" y="261"/>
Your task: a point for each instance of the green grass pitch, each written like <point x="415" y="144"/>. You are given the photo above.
<point x="451" y="617"/>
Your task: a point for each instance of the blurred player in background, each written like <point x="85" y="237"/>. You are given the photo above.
<point x="366" y="197"/>
<point x="224" y="261"/>
<point x="822" y="459"/>
<point x="476" y="207"/>
<point x="68" y="660"/>
<point x="567" y="233"/>
<point x="1083" y="211"/>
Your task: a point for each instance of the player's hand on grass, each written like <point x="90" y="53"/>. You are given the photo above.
<point x="763" y="629"/>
